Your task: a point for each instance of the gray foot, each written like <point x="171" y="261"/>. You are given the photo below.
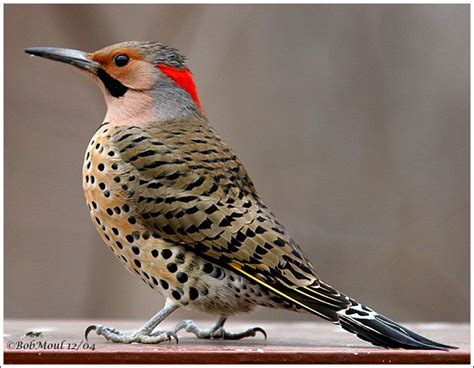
<point x="114" y="335"/>
<point x="217" y="331"/>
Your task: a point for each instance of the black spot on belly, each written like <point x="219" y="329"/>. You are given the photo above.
<point x="166" y="253"/>
<point x="181" y="277"/>
<point x="208" y="268"/>
<point x="154" y="253"/>
<point x="176" y="295"/>
<point x="136" y="250"/>
<point x="164" y="284"/>
<point x="193" y="293"/>
<point x="172" y="267"/>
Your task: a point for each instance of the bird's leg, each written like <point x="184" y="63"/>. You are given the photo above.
<point x="217" y="331"/>
<point x="144" y="334"/>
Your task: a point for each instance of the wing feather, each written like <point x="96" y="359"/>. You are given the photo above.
<point x="192" y="190"/>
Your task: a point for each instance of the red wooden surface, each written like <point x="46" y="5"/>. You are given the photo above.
<point x="298" y="342"/>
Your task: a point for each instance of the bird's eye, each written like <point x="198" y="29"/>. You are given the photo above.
<point x="121" y="60"/>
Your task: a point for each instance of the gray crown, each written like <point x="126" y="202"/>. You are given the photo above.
<point x="155" y="52"/>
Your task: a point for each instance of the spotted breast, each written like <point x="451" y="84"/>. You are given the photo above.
<point x="117" y="172"/>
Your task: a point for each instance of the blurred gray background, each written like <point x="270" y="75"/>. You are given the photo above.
<point x="353" y="122"/>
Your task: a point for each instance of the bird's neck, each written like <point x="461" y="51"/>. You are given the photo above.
<point x="140" y="108"/>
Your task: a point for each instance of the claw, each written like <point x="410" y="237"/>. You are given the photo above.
<point x="89" y="329"/>
<point x="258" y="329"/>
<point x="173" y="335"/>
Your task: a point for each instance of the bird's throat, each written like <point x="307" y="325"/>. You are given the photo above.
<point x="140" y="108"/>
<point x="133" y="108"/>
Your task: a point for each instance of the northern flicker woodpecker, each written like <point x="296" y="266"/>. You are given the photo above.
<point x="177" y="208"/>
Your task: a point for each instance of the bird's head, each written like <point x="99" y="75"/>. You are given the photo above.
<point x="142" y="82"/>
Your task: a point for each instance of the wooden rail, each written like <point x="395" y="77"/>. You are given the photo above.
<point x="59" y="341"/>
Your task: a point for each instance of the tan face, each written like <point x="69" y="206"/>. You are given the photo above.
<point x="136" y="73"/>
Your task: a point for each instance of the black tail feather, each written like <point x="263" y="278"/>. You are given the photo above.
<point x="326" y="302"/>
<point x="382" y="331"/>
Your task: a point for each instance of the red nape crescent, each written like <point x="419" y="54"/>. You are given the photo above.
<point x="183" y="78"/>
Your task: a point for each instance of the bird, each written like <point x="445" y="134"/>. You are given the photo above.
<point x="178" y="209"/>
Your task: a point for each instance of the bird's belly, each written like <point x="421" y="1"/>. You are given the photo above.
<point x="171" y="269"/>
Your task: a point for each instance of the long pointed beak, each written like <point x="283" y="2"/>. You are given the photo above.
<point x="69" y="56"/>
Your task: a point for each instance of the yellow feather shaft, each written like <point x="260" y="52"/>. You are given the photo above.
<point x="237" y="267"/>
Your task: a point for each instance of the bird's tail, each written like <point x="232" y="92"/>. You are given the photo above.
<point x="382" y="331"/>
<point x="324" y="301"/>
